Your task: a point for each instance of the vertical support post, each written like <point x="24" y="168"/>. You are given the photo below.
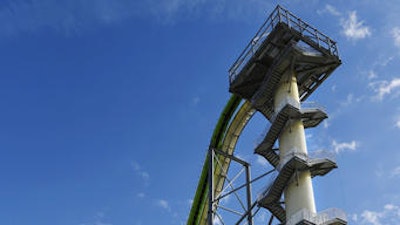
<point x="288" y="19"/>
<point x="210" y="216"/>
<point x="248" y="193"/>
<point x="298" y="195"/>
<point x="279" y="14"/>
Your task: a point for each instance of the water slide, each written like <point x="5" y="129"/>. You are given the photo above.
<point x="232" y="121"/>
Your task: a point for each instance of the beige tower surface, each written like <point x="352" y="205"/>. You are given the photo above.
<point x="299" y="193"/>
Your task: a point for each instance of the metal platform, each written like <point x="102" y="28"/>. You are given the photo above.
<point x="289" y="165"/>
<point x="328" y="217"/>
<point x="311" y="117"/>
<point x="284" y="43"/>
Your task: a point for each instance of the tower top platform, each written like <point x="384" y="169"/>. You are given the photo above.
<point x="284" y="42"/>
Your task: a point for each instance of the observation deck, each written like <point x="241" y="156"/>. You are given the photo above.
<point x="283" y="44"/>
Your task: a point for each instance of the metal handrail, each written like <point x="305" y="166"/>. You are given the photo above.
<point x="322" y="154"/>
<point x="332" y="214"/>
<point x="308" y="157"/>
<point x="302" y="214"/>
<point x="312" y="105"/>
<point x="278" y="16"/>
<point x="294" y="103"/>
<point x="317" y="218"/>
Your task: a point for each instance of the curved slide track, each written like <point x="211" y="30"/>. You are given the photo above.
<point x="231" y="123"/>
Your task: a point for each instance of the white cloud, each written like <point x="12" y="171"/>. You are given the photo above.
<point x="395" y="172"/>
<point x="163" y="204"/>
<point x="68" y="17"/>
<point x="195" y="101"/>
<point x="144" y="175"/>
<point x="372" y="75"/>
<point x="262" y="217"/>
<point x="171" y="11"/>
<point x="217" y="221"/>
<point x="141" y="195"/>
<point x="354" y="217"/>
<point x="354" y="29"/>
<point x="329" y="9"/>
<point x="326" y="123"/>
<point x="168" y="10"/>
<point x="397" y="121"/>
<point x="371" y="217"/>
<point x="344" y="146"/>
<point x="98" y="220"/>
<point x="383" y="88"/>
<point x="390" y="214"/>
<point x="349" y="100"/>
<point x="261" y="161"/>
<point x="135" y="166"/>
<point x="397" y="124"/>
<point x="396" y="36"/>
<point x="383" y="60"/>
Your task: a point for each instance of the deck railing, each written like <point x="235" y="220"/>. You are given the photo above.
<point x="278" y="16"/>
<point x="324" y="217"/>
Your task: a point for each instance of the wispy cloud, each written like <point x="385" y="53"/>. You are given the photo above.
<point x="97" y="220"/>
<point x="170" y="11"/>
<point x="261" y="160"/>
<point x="141" y="195"/>
<point x="349" y="100"/>
<point x="353" y="28"/>
<point x="68" y="17"/>
<point x="371" y="217"/>
<point x="397" y="122"/>
<point x="195" y="101"/>
<point x="390" y="214"/>
<point x="371" y="75"/>
<point x="330" y="10"/>
<point x="190" y="202"/>
<point x="339" y="147"/>
<point x="145" y="176"/>
<point x="396" y="36"/>
<point x="383" y="88"/>
<point x="217" y="221"/>
<point x="395" y="172"/>
<point x="74" y="17"/>
<point x="163" y="204"/>
<point x="262" y="217"/>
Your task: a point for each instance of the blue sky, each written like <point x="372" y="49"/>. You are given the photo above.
<point x="108" y="106"/>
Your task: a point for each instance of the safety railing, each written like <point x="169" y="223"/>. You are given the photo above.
<point x="312" y="105"/>
<point x="303" y="105"/>
<point x="278" y="16"/>
<point x="309" y="158"/>
<point x="301" y="215"/>
<point x="328" y="215"/>
<point x="321" y="218"/>
<point x="294" y="152"/>
<point x="322" y="154"/>
<point x="284" y="102"/>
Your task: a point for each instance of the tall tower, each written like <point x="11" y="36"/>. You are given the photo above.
<point x="284" y="64"/>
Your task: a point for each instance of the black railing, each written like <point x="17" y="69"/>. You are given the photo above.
<point x="281" y="15"/>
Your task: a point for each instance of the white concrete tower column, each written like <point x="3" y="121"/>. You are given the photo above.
<point x="299" y="193"/>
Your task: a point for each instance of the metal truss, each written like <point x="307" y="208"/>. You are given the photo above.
<point x="239" y="190"/>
